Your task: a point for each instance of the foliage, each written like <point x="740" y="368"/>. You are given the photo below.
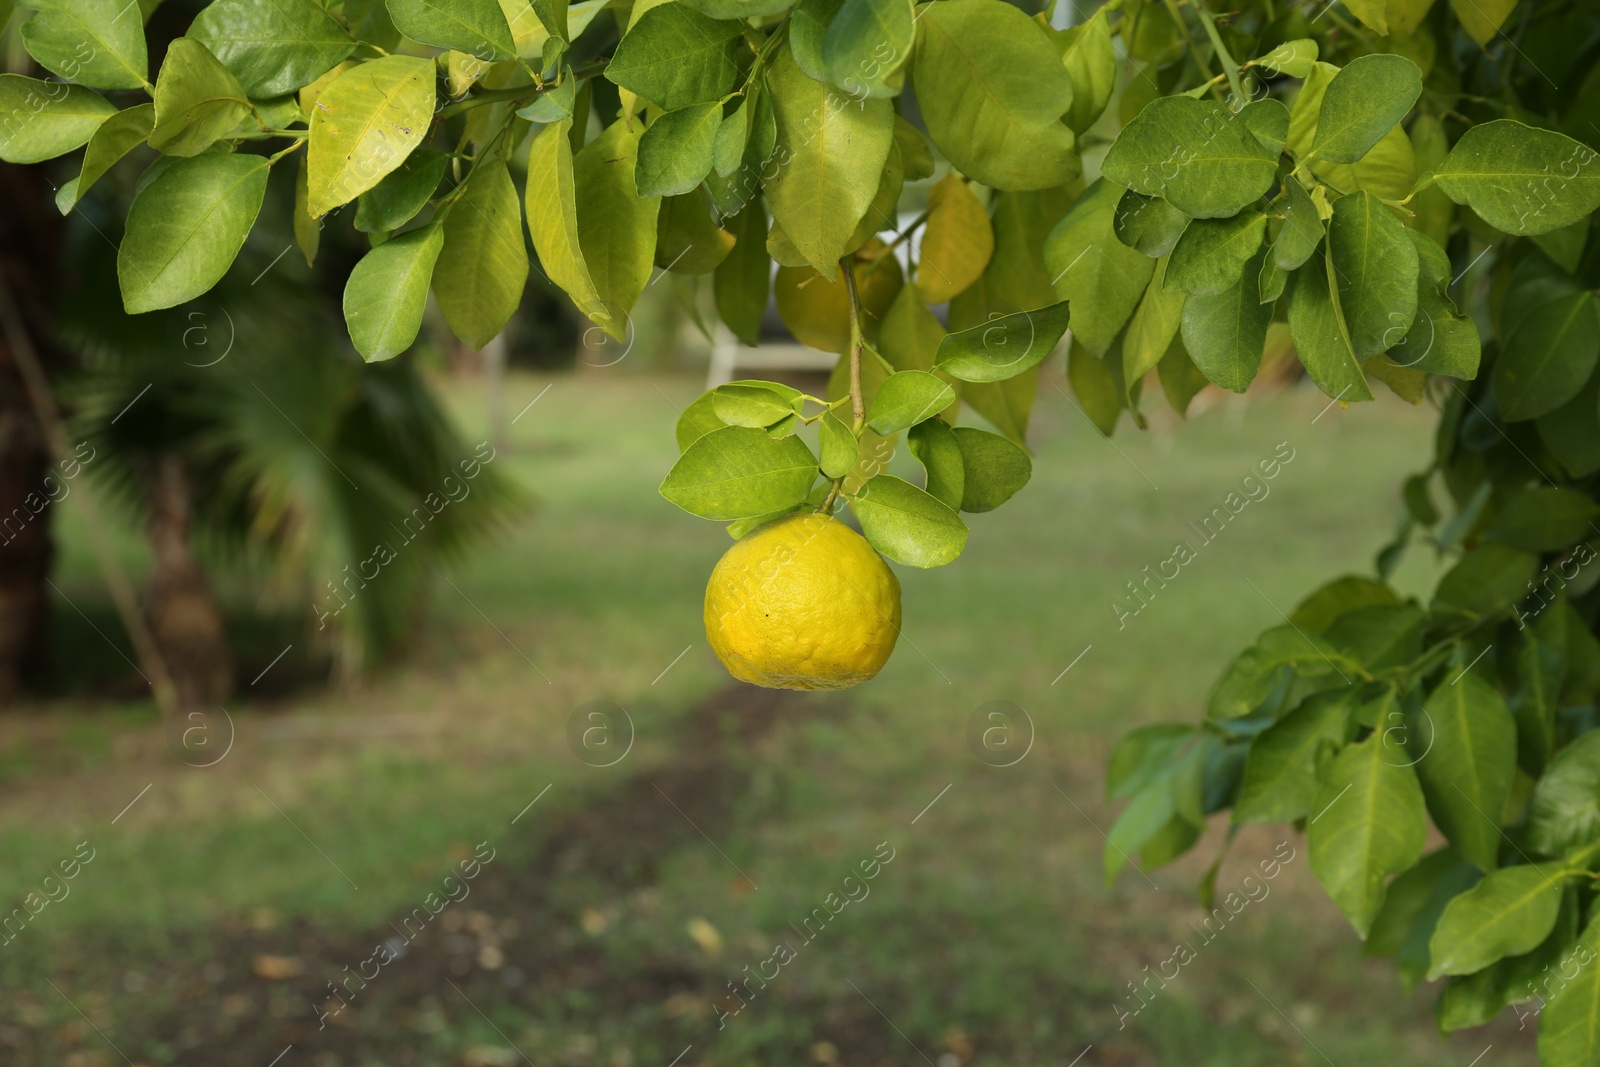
<point x="1338" y="177"/>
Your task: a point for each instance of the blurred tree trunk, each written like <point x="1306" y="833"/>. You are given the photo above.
<point x="30" y="243"/>
<point x="188" y="625"/>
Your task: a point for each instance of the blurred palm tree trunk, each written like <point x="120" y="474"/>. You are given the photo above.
<point x="184" y="616"/>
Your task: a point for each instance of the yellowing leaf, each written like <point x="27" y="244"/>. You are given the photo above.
<point x="483" y="266"/>
<point x="364" y="125"/>
<point x="552" y="211"/>
<point x="616" y="226"/>
<point x="957" y="242"/>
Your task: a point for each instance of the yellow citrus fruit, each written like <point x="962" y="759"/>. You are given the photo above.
<point x="803" y="602"/>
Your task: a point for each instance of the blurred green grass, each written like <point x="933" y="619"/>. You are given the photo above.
<point x="992" y="922"/>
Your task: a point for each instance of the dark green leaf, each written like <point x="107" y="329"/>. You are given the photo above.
<point x="993" y="469"/>
<point x="675" y="152"/>
<point x="272" y="48"/>
<point x="1519" y="179"/>
<point x="1195" y="154"/>
<point x="1005" y="347"/>
<point x="674" y="56"/>
<point x="1548" y="357"/>
<point x="938" y="448"/>
<point x="1362" y="103"/>
<point x="405" y="191"/>
<point x="1148" y="223"/>
<point x="1225" y="334"/>
<point x="1211" y="255"/>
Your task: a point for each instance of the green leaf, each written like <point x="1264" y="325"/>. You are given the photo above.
<point x="808" y="27"/>
<point x="1548" y="357"/>
<point x="47" y="119"/>
<point x="550" y="204"/>
<point x="483" y="267"/>
<point x="839" y="446"/>
<point x="687" y="241"/>
<point x="388" y="291"/>
<point x="753" y="403"/>
<point x="1441" y="339"/>
<point x="834" y="152"/>
<point x="907" y="524"/>
<point x="616" y="225"/>
<point x="675" y="152"/>
<point x="1465" y="759"/>
<point x="1149" y="812"/>
<point x="1368" y="824"/>
<point x="403" y="192"/>
<point x="1565" y="246"/>
<point x="1148" y="223"/>
<point x="1321" y="336"/>
<point x="1487" y="579"/>
<point x="906" y="398"/>
<point x="1519" y="179"/>
<point x="1413" y="904"/>
<point x="555" y="104"/>
<point x="697" y="420"/>
<point x="1388" y="170"/>
<point x="1544" y="519"/>
<point x="1280" y="773"/>
<point x="1101" y="278"/>
<point x="867" y="45"/>
<point x="185" y="228"/>
<point x="364" y="125"/>
<point x="992" y="90"/>
<point x="1268" y="120"/>
<point x="1004" y="347"/>
<point x="1225" y="334"/>
<point x="1145" y="755"/>
<point x="1211" y="255"/>
<point x="1569" y="1024"/>
<point x="1193" y="153"/>
<point x="1302" y="229"/>
<point x="993" y="469"/>
<point x="1572" y="431"/>
<point x="1150" y="332"/>
<point x="1364" y="102"/>
<point x="1294" y="58"/>
<point x="674" y="56"/>
<point x="740" y="9"/>
<point x="743" y="279"/>
<point x="88" y="42"/>
<point x="739" y="472"/>
<point x="1099" y="393"/>
<point x="938" y="448"/>
<point x="197" y="101"/>
<point x="1318" y="611"/>
<point x="1565" y="813"/>
<point x="1375" y="261"/>
<point x="1506" y="914"/>
<point x="553" y="15"/>
<point x="1091" y="63"/>
<point x="115" y="138"/>
<point x="1007" y="405"/>
<point x="477" y="27"/>
<point x="1181" y="380"/>
<point x="272" y="48"/>
<point x="1540" y="670"/>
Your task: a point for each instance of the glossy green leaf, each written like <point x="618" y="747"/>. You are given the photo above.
<point x="1150" y="331"/>
<point x="1565" y="813"/>
<point x="272" y="48"/>
<point x="185" y="228"/>
<point x="88" y="42"/>
<point x="739" y="472"/>
<point x="1321" y="336"/>
<point x="1470" y="744"/>
<point x="388" y="291"/>
<point x="1293" y="58"/>
<point x="1101" y="278"/>
<point x="483" y="266"/>
<point x="1569" y="1025"/>
<point x="1441" y="339"/>
<point x="403" y="193"/>
<point x="674" y="56"/>
<point x="1225" y="334"/>
<point x="867" y="46"/>
<point x="993" y="469"/>
<point x="1367" y="824"/>
<point x="1302" y="229"/>
<point x="1268" y="121"/>
<point x="808" y="27"/>
<point x="938" y="448"/>
<point x="364" y="125"/>
<point x="47" y="119"/>
<point x="1365" y="101"/>
<point x="115" y="138"/>
<point x="757" y="404"/>
<point x="906" y="398"/>
<point x="675" y="152"/>
<point x="992" y="89"/>
<point x="1091" y="62"/>
<point x="1375" y="262"/>
<point x="838" y="446"/>
<point x="907" y="524"/>
<point x="1520" y="179"/>
<point x="697" y="420"/>
<point x="1148" y="223"/>
<point x="476" y="27"/>
<point x="1005" y="347"/>
<point x="1195" y="154"/>
<point x="616" y="224"/>
<point x="1548" y="357"/>
<point x="197" y="100"/>
<point x="1211" y="255"/>
<point x="1506" y="914"/>
<point x="834" y="151"/>
<point x="1280" y="773"/>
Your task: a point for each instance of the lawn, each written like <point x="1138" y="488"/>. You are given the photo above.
<point x="667" y="905"/>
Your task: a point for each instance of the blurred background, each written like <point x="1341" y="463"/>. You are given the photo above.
<point x="453" y="778"/>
